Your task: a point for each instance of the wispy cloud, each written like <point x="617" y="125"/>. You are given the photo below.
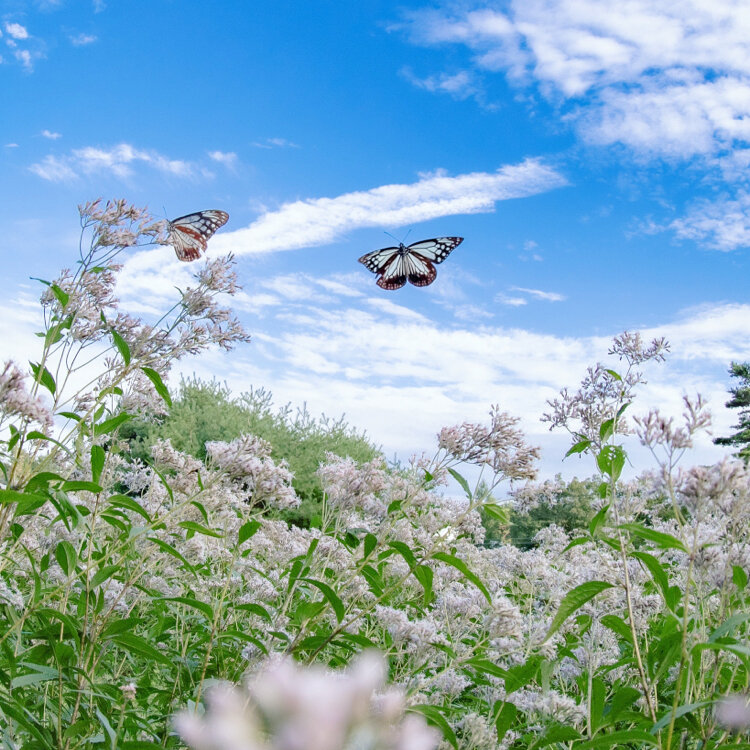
<point x="51" y="135"/>
<point x="539" y="294"/>
<point x="118" y="160"/>
<point x="81" y="40"/>
<point x="723" y="224"/>
<point x="227" y="158"/>
<point x="318" y="221"/>
<point x="16" y="31"/>
<point x="661" y="77"/>
<point x="460" y="85"/>
<point x="275" y="143"/>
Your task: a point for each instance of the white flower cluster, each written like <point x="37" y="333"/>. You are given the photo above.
<point x="288" y="707"/>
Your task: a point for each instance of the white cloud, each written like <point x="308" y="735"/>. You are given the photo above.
<point x="275" y="143"/>
<point x="461" y="85"/>
<point x="16" y="31"/>
<point x="402" y="376"/>
<point x="318" y="221"/>
<point x="81" y="40"/>
<point x="51" y="135"/>
<point x="723" y="224"/>
<point x="505" y="299"/>
<point x="538" y="294"/>
<point x="25" y="58"/>
<point x="665" y="77"/>
<point x="118" y="160"/>
<point x="227" y="158"/>
<point x="11" y="145"/>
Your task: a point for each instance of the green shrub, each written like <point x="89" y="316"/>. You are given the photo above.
<point x="207" y="411"/>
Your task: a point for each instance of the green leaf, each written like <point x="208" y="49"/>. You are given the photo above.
<point x="110" y="425"/>
<point x="61" y="294"/>
<point x="66" y="557"/>
<point x="424" y="574"/>
<point x="521" y="675"/>
<point x="194" y="603"/>
<point x="618" y="739"/>
<point x="611" y="460"/>
<point x="434" y="717"/>
<point x="161" y="389"/>
<point x="658" y="573"/>
<point x="730" y="624"/>
<point x="739" y="577"/>
<point x="200" y="529"/>
<point x="371" y="542"/>
<point x="573" y="601"/>
<point x="336" y="604"/>
<point x="666" y="541"/>
<point x="41" y="481"/>
<point x="607" y="429"/>
<point x="464" y="484"/>
<point x="461" y="566"/>
<point x="247" y="530"/>
<point x="621" y="699"/>
<point x="557" y="733"/>
<point x="97" y="462"/>
<point x="504" y="717"/>
<point x="170" y="550"/>
<point x="119" y="626"/>
<point x="405" y="552"/>
<point x="75" y="486"/>
<point x="617" y="625"/>
<point x="103" y="574"/>
<point x="14" y="496"/>
<point x="39" y="673"/>
<point x="598" y="520"/>
<point x="579" y="447"/>
<point x="255" y="609"/>
<point x="614" y="374"/>
<point x="681" y="711"/>
<point x="44" y="376"/>
<point x="128" y="503"/>
<point x="122" y="347"/>
<point x="134" y="644"/>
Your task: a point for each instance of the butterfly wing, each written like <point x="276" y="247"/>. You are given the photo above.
<point x="379" y="260"/>
<point x="435" y="250"/>
<point x="189" y="234"/>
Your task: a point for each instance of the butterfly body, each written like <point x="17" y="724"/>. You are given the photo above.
<point x="414" y="263"/>
<point x="189" y="234"/>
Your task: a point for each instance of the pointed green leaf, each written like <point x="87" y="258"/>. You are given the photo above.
<point x="464" y="484"/>
<point x="122" y="347"/>
<point x="461" y="566"/>
<point x="161" y="389"/>
<point x="97" y="462"/>
<point x="336" y="604"/>
<point x="573" y="601"/>
<point x="434" y="717"/>
<point x="666" y="541"/>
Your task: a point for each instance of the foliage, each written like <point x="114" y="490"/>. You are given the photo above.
<point x="206" y="411"/>
<point x="569" y="505"/>
<point x="128" y="590"/>
<point x="740" y="400"/>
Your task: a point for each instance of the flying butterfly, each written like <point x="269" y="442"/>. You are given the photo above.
<point x="414" y="263"/>
<point x="189" y="234"/>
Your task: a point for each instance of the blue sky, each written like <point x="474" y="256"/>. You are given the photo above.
<point x="593" y="155"/>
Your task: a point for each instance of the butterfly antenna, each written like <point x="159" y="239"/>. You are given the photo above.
<point x="391" y="236"/>
<point x="407" y="234"/>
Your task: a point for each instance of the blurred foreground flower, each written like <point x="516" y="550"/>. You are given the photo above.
<point x="733" y="712"/>
<point x="289" y="707"/>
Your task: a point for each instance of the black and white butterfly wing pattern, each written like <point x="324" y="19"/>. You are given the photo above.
<point x="190" y="234"/>
<point x="415" y="263"/>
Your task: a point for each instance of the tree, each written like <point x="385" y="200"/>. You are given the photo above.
<point x="740" y="400"/>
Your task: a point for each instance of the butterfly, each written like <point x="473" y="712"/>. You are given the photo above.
<point x="189" y="234"/>
<point x="415" y="263"/>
